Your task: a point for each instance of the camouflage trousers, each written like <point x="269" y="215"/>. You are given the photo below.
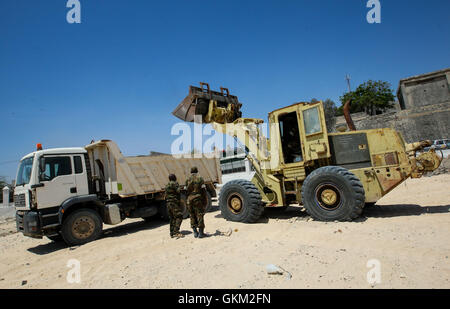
<point x="175" y="212"/>
<point x="196" y="212"/>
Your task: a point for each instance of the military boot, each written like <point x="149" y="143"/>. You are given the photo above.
<point x="178" y="235"/>
<point x="201" y="234"/>
<point x="195" y="232"/>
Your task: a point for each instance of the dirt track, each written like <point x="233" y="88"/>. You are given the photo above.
<point x="408" y="232"/>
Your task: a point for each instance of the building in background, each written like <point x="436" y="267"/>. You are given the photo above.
<point x="421" y="113"/>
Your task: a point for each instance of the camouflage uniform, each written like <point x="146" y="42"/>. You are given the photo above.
<point x="174" y="207"/>
<point x="196" y="200"/>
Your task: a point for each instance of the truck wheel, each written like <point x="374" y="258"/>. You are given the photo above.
<point x="240" y="201"/>
<point x="333" y="193"/>
<point x="81" y="226"/>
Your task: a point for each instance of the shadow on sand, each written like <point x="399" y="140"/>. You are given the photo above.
<point x="279" y="214"/>
<point x="115" y="231"/>
<point x="375" y="211"/>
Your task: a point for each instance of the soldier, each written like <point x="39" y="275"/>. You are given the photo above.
<point x="174" y="208"/>
<point x="195" y="188"/>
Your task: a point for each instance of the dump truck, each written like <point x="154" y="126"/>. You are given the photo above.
<point x="332" y="175"/>
<point x="68" y="193"/>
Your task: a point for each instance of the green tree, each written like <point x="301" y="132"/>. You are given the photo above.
<point x="329" y="108"/>
<point x="372" y="97"/>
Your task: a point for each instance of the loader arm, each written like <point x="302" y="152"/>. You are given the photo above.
<point x="222" y="111"/>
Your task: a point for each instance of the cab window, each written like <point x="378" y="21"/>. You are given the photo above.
<point x="56" y="166"/>
<point x="78" y="165"/>
<point x="312" y="121"/>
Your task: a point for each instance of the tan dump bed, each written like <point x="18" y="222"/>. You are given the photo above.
<point x="129" y="176"/>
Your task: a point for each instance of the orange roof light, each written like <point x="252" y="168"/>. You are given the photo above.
<point x="39" y="146"/>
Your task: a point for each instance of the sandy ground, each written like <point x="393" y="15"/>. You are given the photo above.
<point x="408" y="232"/>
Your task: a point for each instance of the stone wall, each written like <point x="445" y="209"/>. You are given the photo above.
<point x="424" y="111"/>
<point x="428" y="122"/>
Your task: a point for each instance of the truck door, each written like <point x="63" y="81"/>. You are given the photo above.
<point x="57" y="180"/>
<point x="313" y="132"/>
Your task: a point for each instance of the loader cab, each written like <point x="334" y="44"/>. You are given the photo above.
<point x="299" y="134"/>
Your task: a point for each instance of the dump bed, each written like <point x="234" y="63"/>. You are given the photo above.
<point x="141" y="175"/>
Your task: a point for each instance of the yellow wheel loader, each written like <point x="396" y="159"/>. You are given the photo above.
<point x="333" y="175"/>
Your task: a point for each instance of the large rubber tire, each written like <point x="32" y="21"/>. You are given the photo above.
<point x="85" y="218"/>
<point x="242" y="193"/>
<point x="348" y="194"/>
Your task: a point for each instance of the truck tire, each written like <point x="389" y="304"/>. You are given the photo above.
<point x="240" y="201"/>
<point x="333" y="193"/>
<point x="81" y="226"/>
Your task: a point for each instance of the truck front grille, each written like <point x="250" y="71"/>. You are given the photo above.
<point x="19" y="200"/>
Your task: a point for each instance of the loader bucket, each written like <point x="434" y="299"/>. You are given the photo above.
<point x="210" y="106"/>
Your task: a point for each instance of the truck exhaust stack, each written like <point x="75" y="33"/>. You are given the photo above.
<point x="208" y="105"/>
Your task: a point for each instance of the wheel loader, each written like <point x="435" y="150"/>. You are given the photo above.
<point x="333" y="175"/>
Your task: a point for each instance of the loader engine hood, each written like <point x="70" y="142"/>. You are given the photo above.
<point x="205" y="105"/>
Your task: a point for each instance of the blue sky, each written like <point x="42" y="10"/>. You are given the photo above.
<point x="120" y="73"/>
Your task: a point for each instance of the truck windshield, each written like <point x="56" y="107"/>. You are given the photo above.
<point x="24" y="172"/>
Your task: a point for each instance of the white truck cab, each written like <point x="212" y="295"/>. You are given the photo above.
<point x="68" y="193"/>
<point x="48" y="178"/>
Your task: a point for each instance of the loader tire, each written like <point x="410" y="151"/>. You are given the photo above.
<point x="240" y="201"/>
<point x="333" y="193"/>
<point x="81" y="226"/>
